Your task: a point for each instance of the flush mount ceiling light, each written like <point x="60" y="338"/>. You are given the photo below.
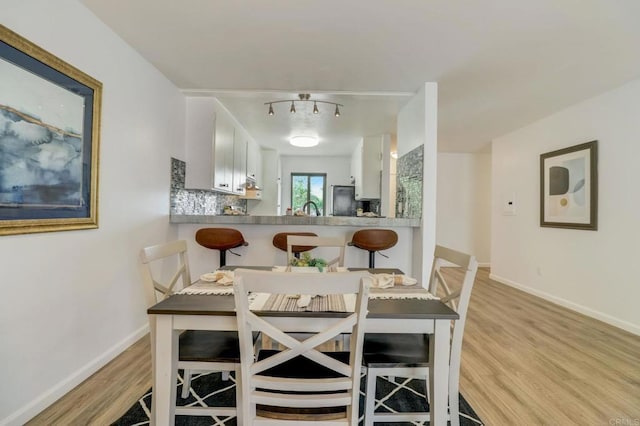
<point x="303" y="141"/>
<point x="304" y="97"/>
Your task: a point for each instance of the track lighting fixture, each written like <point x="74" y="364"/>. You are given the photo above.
<point x="304" y="97"/>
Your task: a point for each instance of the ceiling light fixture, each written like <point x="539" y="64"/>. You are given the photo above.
<point x="304" y="97"/>
<point x="303" y="141"/>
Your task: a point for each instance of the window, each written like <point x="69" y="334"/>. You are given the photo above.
<point x="308" y="187"/>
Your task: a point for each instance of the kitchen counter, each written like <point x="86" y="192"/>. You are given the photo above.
<point x="297" y="220"/>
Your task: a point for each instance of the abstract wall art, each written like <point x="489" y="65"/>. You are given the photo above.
<point x="49" y="141"/>
<point x="569" y="187"/>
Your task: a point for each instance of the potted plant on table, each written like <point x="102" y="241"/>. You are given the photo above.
<point x="308" y="264"/>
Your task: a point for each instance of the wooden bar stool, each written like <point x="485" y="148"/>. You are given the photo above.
<point x="374" y="240"/>
<point x="221" y="239"/>
<point x="280" y="241"/>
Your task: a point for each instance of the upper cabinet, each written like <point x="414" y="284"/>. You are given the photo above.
<point x="366" y="167"/>
<point x="219" y="150"/>
<point x="239" y="162"/>
<point x="224" y="141"/>
<point x="200" y="122"/>
<point x="254" y="162"/>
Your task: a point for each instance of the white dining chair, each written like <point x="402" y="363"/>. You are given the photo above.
<point x="407" y="355"/>
<point x="298" y="240"/>
<point x="198" y="350"/>
<point x="300" y="378"/>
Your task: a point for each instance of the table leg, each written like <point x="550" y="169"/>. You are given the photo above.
<point x="166" y="361"/>
<point x="439" y="347"/>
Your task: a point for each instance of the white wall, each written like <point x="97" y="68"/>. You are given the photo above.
<point x="71" y="301"/>
<point x="589" y="271"/>
<point x="337" y="170"/>
<point x="464" y="204"/>
<point x="418" y="125"/>
<point x="271" y="169"/>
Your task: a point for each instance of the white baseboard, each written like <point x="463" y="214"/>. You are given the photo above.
<point x="616" y="322"/>
<point x="27" y="412"/>
<point x="484" y="264"/>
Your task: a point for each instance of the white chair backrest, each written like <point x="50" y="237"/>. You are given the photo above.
<point x="458" y="300"/>
<point x="298" y="240"/>
<point x="174" y="252"/>
<point x="342" y="391"/>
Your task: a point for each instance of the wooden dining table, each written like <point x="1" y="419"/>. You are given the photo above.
<point x="214" y="312"/>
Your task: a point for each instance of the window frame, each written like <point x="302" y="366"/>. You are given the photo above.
<point x="309" y="176"/>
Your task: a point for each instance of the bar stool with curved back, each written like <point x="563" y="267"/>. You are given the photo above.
<point x="221" y="239"/>
<point x="280" y="242"/>
<point x="206" y="350"/>
<point x="408" y="355"/>
<point x="374" y="240"/>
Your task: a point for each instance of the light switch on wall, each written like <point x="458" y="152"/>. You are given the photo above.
<point x="509" y="204"/>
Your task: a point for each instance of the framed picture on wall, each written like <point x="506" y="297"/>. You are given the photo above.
<point x="49" y="141"/>
<point x="569" y="187"/>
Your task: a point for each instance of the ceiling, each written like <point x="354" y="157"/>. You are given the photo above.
<point x="499" y="64"/>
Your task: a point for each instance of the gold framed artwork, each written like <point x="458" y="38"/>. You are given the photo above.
<point x="569" y="187"/>
<point x="49" y="141"/>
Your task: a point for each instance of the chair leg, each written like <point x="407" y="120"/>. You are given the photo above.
<point x="454" y="403"/>
<point x="223" y="258"/>
<point x="370" y="397"/>
<point x="186" y="383"/>
<point x="238" y="395"/>
<point x="372" y="259"/>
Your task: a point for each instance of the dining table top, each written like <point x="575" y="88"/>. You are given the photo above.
<point x="224" y="305"/>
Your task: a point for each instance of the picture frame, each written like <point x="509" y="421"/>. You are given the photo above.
<point x="49" y="141"/>
<point x="569" y="187"/>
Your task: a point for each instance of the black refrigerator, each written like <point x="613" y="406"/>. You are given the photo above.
<point x="343" y="200"/>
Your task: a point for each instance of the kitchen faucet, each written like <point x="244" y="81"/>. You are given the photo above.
<point x="305" y="205"/>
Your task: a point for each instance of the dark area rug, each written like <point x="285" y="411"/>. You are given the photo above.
<point x="400" y="395"/>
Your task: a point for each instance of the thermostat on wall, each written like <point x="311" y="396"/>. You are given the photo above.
<point x="509" y="204"/>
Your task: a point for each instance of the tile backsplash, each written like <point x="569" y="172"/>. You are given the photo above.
<point x="198" y="201"/>
<point x="409" y="172"/>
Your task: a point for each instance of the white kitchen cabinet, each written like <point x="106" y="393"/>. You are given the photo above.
<point x="239" y="162"/>
<point x="216" y="148"/>
<point x="200" y="127"/>
<point x="366" y="167"/>
<point x="223" y="143"/>
<point x="254" y="162"/>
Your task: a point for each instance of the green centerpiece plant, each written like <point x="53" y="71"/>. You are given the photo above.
<point x="307" y="261"/>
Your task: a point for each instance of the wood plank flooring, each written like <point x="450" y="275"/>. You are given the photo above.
<point x="525" y="361"/>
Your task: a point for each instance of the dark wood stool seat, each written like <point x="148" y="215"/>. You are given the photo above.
<point x="210" y="346"/>
<point x="221" y="239"/>
<point x="382" y="350"/>
<point x="280" y="241"/>
<point x="374" y="240"/>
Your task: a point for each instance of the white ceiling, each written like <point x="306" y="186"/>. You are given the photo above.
<point x="500" y="64"/>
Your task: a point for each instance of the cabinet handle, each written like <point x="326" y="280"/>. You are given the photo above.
<point x="224" y="185"/>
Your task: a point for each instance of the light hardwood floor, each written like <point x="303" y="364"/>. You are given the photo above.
<point x="525" y="361"/>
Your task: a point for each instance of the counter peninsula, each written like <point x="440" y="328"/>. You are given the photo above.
<point x="296" y="220"/>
